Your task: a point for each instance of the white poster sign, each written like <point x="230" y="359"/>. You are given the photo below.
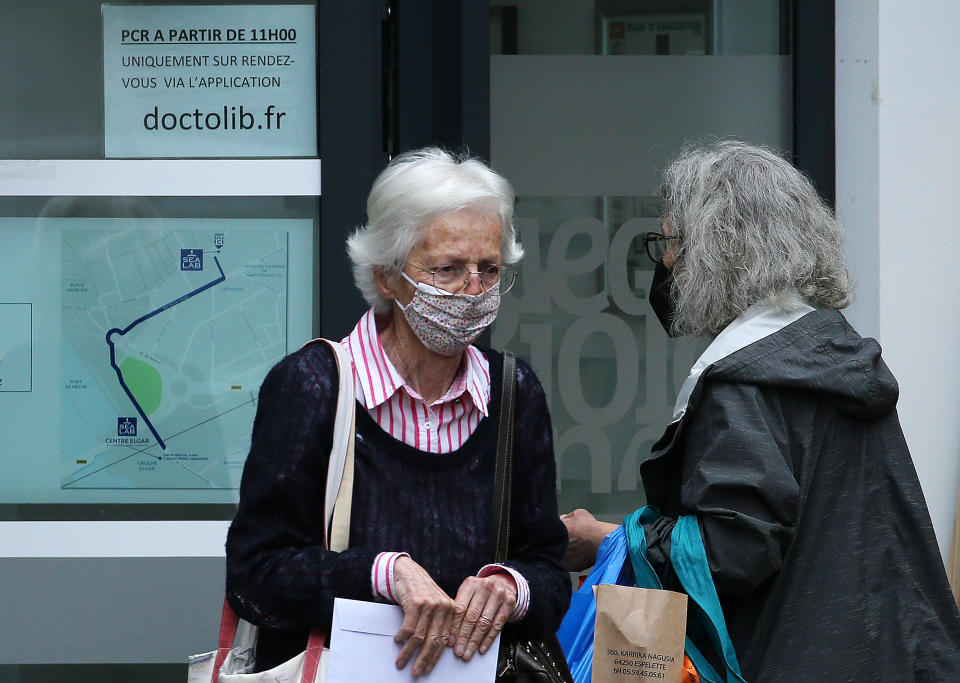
<point x="655" y="34"/>
<point x="209" y="81"/>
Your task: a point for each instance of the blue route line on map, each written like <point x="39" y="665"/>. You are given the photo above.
<point x="118" y="331"/>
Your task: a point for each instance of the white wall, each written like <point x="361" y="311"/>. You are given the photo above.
<point x="858" y="165"/>
<point x="896" y="73"/>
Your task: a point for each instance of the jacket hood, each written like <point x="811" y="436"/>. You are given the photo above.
<point x="819" y="353"/>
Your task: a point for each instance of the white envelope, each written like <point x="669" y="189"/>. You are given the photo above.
<point x="362" y="649"/>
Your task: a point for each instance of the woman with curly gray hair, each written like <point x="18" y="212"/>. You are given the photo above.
<point x="785" y="441"/>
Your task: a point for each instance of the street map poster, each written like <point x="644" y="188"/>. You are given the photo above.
<point x="149" y="340"/>
<point x="209" y="81"/>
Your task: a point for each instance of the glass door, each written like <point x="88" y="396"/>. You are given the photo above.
<point x="589" y="100"/>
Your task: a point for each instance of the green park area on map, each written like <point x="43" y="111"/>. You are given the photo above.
<point x="144" y="381"/>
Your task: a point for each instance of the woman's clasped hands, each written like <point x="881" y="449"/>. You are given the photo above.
<point x="433" y="621"/>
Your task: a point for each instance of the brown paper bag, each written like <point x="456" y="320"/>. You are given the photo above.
<point x="639" y="634"/>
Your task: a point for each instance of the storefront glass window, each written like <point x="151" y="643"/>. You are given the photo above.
<point x="589" y="101"/>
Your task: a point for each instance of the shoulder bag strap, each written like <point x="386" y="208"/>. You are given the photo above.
<point x="503" y="475"/>
<point x="546" y="652"/>
<point x="689" y="559"/>
<point x="339" y="492"/>
<point x="337" y="503"/>
<point x="229" y="623"/>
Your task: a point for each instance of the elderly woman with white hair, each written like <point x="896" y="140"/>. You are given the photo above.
<point x="432" y="262"/>
<point x="785" y="441"/>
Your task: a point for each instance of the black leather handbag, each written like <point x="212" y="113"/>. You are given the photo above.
<point x="521" y="660"/>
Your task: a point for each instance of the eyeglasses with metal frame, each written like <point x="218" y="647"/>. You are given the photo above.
<point x="455" y="278"/>
<point x="656" y="245"/>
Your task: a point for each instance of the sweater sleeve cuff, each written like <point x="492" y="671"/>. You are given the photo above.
<point x="523" y="588"/>
<point x="381" y="576"/>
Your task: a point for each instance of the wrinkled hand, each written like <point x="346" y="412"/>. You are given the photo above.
<point x="586" y="534"/>
<point x="427" y="616"/>
<point x="482" y="608"/>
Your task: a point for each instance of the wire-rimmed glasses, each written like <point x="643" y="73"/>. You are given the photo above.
<point x="454" y="278"/>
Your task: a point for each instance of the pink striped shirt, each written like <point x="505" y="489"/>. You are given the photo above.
<point x="441" y="427"/>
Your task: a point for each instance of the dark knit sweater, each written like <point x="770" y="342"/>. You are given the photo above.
<point x="437" y="507"/>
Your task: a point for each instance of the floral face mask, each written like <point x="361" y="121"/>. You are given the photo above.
<point x="448" y="323"/>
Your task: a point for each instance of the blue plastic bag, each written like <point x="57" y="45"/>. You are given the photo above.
<point x="576" y="630"/>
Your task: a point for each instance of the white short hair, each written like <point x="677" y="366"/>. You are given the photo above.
<point x="409" y="193"/>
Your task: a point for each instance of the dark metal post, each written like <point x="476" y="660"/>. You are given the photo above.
<point x="351" y="145"/>
<point x="814" y="105"/>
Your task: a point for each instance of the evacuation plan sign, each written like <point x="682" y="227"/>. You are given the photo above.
<point x="209" y="81"/>
<point x="166" y="335"/>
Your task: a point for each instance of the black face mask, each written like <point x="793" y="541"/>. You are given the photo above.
<point x="661" y="300"/>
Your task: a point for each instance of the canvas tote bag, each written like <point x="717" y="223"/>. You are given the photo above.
<point x="234" y="658"/>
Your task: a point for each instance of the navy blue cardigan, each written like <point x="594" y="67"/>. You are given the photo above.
<point x="437" y="507"/>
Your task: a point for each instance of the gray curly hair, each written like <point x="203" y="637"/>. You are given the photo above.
<point x="752" y="229"/>
<point x="409" y="193"/>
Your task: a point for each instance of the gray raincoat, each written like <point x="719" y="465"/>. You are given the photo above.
<point x="790" y="451"/>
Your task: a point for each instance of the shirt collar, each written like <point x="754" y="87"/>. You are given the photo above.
<point x="476" y="379"/>
<point x="378" y="379"/>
